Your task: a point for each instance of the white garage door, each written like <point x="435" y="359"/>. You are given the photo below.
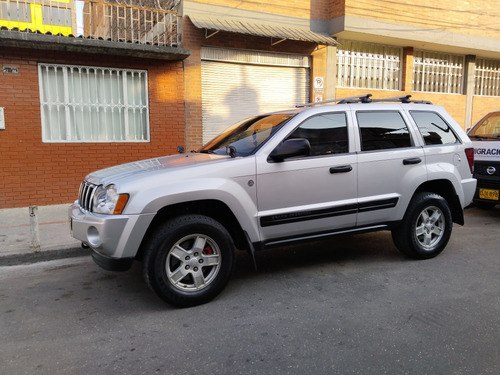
<point x="238" y="84"/>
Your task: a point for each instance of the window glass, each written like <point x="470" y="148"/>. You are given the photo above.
<point x="52" y="15"/>
<point x="433" y="128"/>
<point x="15" y="11"/>
<point x="245" y="137"/>
<point x="487" y="127"/>
<point x="326" y="133"/>
<point x="382" y="130"/>
<point x="90" y="104"/>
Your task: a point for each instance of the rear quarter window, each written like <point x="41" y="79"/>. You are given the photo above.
<point x="433" y="128"/>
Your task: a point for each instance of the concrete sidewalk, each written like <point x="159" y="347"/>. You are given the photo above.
<point x="18" y="243"/>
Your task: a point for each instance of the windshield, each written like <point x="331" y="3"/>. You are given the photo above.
<point x="245" y="137"/>
<point x="488" y="127"/>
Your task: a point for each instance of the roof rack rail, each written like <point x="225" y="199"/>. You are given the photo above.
<point x="350" y="99"/>
<point x="402" y="99"/>
<point x="366" y="98"/>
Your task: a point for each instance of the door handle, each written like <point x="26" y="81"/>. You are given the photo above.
<point x="412" y="161"/>
<point x="341" y="169"/>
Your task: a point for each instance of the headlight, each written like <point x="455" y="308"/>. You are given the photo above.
<point x="108" y="201"/>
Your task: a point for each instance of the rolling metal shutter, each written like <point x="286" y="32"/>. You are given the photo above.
<point x="238" y="84"/>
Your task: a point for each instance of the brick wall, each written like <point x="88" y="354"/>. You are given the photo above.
<point x="36" y="173"/>
<point x="336" y="8"/>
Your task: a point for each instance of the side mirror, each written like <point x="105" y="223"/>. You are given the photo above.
<point x="290" y="148"/>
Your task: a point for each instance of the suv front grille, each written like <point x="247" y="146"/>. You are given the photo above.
<point x="86" y="194"/>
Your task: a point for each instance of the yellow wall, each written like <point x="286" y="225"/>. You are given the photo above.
<point x="479" y="18"/>
<point x="314" y="9"/>
<point x="454" y="104"/>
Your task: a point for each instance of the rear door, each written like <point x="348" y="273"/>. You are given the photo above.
<point x="391" y="164"/>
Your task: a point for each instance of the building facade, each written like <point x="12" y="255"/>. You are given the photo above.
<point x="85" y="85"/>
<point x="447" y="53"/>
<point x="73" y="102"/>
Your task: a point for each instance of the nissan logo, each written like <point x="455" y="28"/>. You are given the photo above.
<point x="491" y="170"/>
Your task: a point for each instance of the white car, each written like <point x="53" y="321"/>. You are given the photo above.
<point x="485" y="136"/>
<point x="312" y="172"/>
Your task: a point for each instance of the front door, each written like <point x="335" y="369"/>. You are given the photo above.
<point x="313" y="194"/>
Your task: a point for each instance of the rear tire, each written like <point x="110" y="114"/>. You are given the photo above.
<point x="426" y="227"/>
<point x="189" y="260"/>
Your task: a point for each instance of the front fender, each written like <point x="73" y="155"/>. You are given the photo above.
<point x="238" y="194"/>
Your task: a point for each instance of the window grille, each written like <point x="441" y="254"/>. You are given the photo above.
<point x="372" y="66"/>
<point x="487" y="77"/>
<point x="91" y="104"/>
<point x="438" y="72"/>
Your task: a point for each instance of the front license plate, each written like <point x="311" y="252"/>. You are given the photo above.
<point x="488" y="194"/>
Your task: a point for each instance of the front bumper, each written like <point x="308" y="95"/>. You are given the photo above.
<point x="112" y="264"/>
<point x="113" y="238"/>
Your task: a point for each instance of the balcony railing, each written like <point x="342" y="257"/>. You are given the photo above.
<point x="104" y="20"/>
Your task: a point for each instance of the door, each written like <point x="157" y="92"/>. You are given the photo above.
<point x="237" y="84"/>
<point x="314" y="194"/>
<point x="390" y="166"/>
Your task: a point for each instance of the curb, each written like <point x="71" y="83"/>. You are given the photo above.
<point x="43" y="256"/>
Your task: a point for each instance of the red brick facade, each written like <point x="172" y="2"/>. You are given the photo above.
<point x="37" y="173"/>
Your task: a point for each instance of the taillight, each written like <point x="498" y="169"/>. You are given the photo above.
<point x="469" y="152"/>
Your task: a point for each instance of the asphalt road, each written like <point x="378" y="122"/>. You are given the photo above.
<point x="351" y="305"/>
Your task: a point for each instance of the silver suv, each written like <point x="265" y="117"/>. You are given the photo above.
<point x="359" y="165"/>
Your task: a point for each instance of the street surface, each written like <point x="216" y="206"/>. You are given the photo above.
<point x="351" y="305"/>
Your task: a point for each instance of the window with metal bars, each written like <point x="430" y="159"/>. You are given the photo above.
<point x="91" y="104"/>
<point x="487" y="77"/>
<point x="438" y="72"/>
<point x="371" y="66"/>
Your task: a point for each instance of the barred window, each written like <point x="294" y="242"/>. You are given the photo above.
<point x="90" y="104"/>
<point x="371" y="66"/>
<point x="487" y="80"/>
<point x="15" y="11"/>
<point x="438" y="72"/>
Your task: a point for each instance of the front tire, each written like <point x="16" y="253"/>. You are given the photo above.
<point x="189" y="260"/>
<point x="426" y="227"/>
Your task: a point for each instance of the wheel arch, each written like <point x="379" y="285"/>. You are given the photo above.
<point x="445" y="189"/>
<point x="215" y="209"/>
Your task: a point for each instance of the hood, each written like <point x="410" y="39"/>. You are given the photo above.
<point x="150" y="166"/>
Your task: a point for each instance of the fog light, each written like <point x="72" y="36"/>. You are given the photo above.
<point x="93" y="236"/>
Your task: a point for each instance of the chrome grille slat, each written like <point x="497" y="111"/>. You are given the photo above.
<point x="85" y="195"/>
